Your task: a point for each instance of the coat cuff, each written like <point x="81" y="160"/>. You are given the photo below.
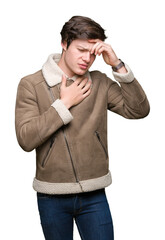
<point x="124" y="77"/>
<point x="62" y="111"/>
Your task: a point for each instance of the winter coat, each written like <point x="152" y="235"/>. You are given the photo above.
<point x="71" y="145"/>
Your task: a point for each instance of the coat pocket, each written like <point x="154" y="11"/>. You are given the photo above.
<point x="47" y="154"/>
<point x="101" y="143"/>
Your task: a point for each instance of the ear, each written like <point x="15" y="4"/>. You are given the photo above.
<point x="64" y="45"/>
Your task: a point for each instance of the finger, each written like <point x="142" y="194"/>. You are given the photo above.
<point x="94" y="48"/>
<point x="79" y="80"/>
<point x="87" y="87"/>
<point x="87" y="93"/>
<point x="101" y="50"/>
<point x="83" y="83"/>
<point x="98" y="47"/>
<point x="63" y="80"/>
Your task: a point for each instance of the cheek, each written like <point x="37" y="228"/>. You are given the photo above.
<point x="73" y="56"/>
<point x="70" y="58"/>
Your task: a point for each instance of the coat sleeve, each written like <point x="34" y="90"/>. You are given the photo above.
<point x="127" y="98"/>
<point x="33" y="128"/>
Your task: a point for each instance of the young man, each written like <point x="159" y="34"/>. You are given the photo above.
<point x="61" y="111"/>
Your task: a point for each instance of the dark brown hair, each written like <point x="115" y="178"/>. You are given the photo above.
<point x="79" y="27"/>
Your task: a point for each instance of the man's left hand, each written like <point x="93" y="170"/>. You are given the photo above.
<point x="106" y="50"/>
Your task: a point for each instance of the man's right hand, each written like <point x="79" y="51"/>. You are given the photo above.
<point x="76" y="92"/>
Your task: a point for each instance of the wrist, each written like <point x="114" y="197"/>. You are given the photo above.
<point x="124" y="77"/>
<point x="65" y="102"/>
<point x="115" y="63"/>
<point x="119" y="67"/>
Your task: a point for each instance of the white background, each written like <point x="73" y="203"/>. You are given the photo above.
<point x="135" y="29"/>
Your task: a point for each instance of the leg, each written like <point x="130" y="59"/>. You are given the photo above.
<point x="56" y="217"/>
<point x="94" y="221"/>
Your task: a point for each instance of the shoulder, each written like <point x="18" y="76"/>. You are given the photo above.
<point x="101" y="77"/>
<point x="97" y="74"/>
<point x="32" y="80"/>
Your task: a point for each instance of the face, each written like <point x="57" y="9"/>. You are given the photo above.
<point x="77" y="59"/>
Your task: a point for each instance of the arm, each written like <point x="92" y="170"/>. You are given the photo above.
<point x="33" y="128"/>
<point x="128" y="99"/>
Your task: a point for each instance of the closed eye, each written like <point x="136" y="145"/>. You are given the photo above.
<point x="81" y="50"/>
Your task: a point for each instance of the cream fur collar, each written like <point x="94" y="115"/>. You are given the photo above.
<point x="53" y="73"/>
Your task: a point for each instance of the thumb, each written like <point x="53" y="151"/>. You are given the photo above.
<point x="63" y="81"/>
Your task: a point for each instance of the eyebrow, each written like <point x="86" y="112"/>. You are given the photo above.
<point x="86" y="48"/>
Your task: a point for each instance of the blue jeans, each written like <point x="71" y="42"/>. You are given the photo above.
<point x="90" y="210"/>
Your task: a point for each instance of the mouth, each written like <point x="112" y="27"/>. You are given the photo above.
<point x="83" y="66"/>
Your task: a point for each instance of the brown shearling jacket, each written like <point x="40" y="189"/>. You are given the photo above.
<point x="71" y="145"/>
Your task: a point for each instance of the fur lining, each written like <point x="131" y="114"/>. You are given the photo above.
<point x="73" y="187"/>
<point x="53" y="73"/>
<point x="62" y="111"/>
<point x="124" y="77"/>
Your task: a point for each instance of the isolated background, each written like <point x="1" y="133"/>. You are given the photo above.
<point x="135" y="29"/>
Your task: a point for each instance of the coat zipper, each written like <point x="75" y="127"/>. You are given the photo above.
<point x="72" y="160"/>
<point x="46" y="155"/>
<point x="51" y="94"/>
<point x="70" y="155"/>
<point x="98" y="137"/>
<point x="53" y="98"/>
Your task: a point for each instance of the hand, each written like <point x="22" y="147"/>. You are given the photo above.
<point x="106" y="50"/>
<point x="76" y="92"/>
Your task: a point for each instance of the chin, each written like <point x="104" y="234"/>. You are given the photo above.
<point x="81" y="72"/>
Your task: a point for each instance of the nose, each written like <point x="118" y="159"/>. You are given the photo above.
<point x="86" y="57"/>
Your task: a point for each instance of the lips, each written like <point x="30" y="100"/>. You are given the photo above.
<point x="83" y="66"/>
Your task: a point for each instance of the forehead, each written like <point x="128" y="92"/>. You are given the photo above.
<point x="83" y="44"/>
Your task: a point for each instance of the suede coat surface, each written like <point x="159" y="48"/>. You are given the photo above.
<point x="71" y="145"/>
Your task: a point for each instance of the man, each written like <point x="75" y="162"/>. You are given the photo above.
<point x="61" y="111"/>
